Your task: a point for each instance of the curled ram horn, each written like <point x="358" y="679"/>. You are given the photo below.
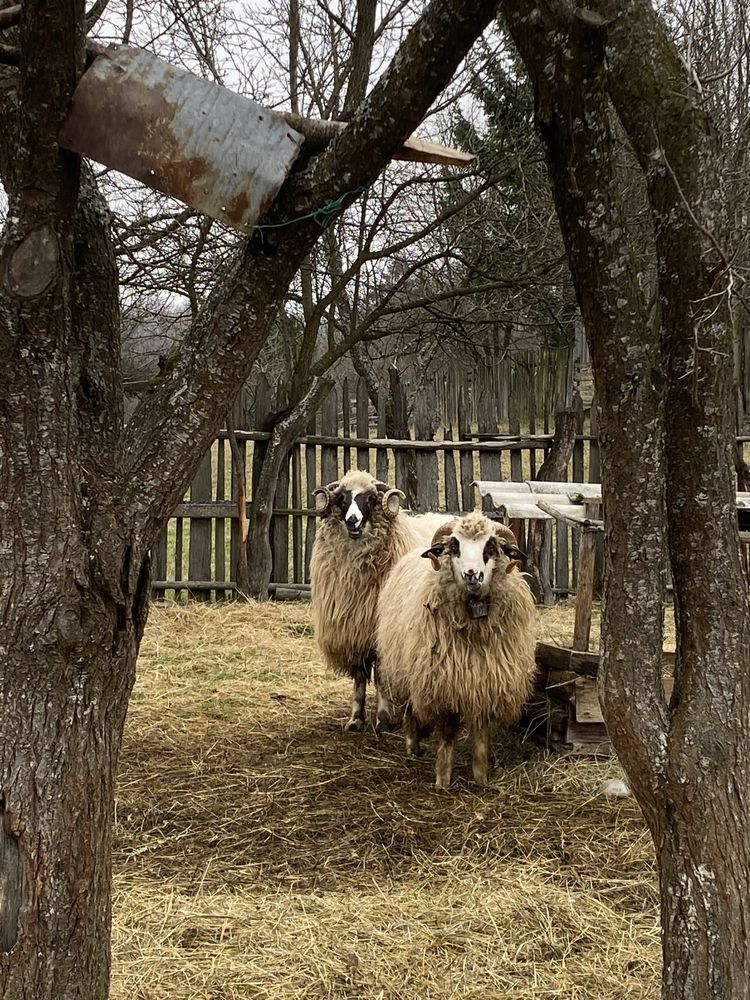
<point x="504" y="533"/>
<point x="323" y="499"/>
<point x="508" y="544"/>
<point x="444" y="531"/>
<point x="391" y="501"/>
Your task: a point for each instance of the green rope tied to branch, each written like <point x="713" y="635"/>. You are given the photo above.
<point x="323" y="215"/>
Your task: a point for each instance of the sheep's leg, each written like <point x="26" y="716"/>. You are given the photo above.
<point x="411" y="732"/>
<point x="480" y="760"/>
<point x="447" y="728"/>
<point x="356" y="722"/>
<point x="384" y="722"/>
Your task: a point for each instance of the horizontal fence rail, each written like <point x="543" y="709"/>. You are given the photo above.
<point x="196" y="553"/>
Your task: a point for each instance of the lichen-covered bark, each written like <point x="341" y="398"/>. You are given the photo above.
<point x="688" y="763"/>
<point x="703" y="840"/>
<point x="68" y="628"/>
<point x="565" y="59"/>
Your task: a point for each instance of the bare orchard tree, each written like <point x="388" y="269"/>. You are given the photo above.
<point x="83" y="497"/>
<point x="665" y="390"/>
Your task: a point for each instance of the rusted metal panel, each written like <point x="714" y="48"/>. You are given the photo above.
<point x="198" y="142"/>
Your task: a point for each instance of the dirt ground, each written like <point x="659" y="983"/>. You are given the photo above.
<point x="263" y="853"/>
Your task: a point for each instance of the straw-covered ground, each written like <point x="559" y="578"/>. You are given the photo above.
<point x="263" y="853"/>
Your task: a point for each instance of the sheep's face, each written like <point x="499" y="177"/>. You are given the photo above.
<point x="475" y="551"/>
<point x="355" y="499"/>
<point x="356" y="508"/>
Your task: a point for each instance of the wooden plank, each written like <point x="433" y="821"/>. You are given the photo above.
<point x="587" y="739"/>
<point x="363" y="424"/>
<point x="577" y="473"/>
<point x="296" y="591"/>
<point x="159" y="553"/>
<point x="485" y="486"/>
<point x="199" y="558"/>
<point x="514" y="423"/>
<point x="381" y="458"/>
<point x="312" y="482"/>
<point x="584" y="590"/>
<point x="465" y="457"/>
<point x="571" y="514"/>
<point x="490" y="465"/>
<point x="220" y="567"/>
<point x="587" y="707"/>
<point x="346" y="425"/>
<point x="545" y="567"/>
<point x="497" y="443"/>
<point x="280" y="522"/>
<point x="179" y="532"/>
<point x="404" y="460"/>
<point x="318" y="133"/>
<point x="298" y="554"/>
<point x="532" y="418"/>
<point x="586" y="698"/>
<point x="595" y="477"/>
<point x="561" y="658"/>
<point x="586" y="491"/>
<point x="228" y="509"/>
<point x="449" y="473"/>
<point x="562" y="570"/>
<point x="510" y="507"/>
<point x="329" y="418"/>
<point x="425" y="425"/>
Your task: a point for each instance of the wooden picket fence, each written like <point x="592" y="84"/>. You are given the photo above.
<point x="196" y="553"/>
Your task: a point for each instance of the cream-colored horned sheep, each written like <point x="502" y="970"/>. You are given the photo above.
<point x="362" y="535"/>
<point x="455" y="638"/>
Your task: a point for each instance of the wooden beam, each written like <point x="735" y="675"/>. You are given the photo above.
<point x="318" y="133"/>
<point x="570" y="514"/>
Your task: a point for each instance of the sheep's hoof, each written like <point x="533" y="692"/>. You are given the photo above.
<point x="384" y="723"/>
<point x="354" y="726"/>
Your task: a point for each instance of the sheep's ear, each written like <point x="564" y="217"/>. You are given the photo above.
<point x="433" y="554"/>
<point x="512" y="565"/>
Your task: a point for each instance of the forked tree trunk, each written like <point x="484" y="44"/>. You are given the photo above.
<point x="689" y="762"/>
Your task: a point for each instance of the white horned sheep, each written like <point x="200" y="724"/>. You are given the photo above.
<point x="362" y="535"/>
<point x="455" y="638"/>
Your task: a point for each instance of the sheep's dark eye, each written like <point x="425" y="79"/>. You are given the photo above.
<point x="491" y="550"/>
<point x="454" y="548"/>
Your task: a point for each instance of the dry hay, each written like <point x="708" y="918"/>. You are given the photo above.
<point x="263" y="853"/>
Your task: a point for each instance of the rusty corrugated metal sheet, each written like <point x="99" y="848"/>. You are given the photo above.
<point x="218" y="152"/>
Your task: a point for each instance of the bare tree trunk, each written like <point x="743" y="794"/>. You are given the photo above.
<point x="690" y="763"/>
<point x="261" y="511"/>
<point x="82" y="499"/>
